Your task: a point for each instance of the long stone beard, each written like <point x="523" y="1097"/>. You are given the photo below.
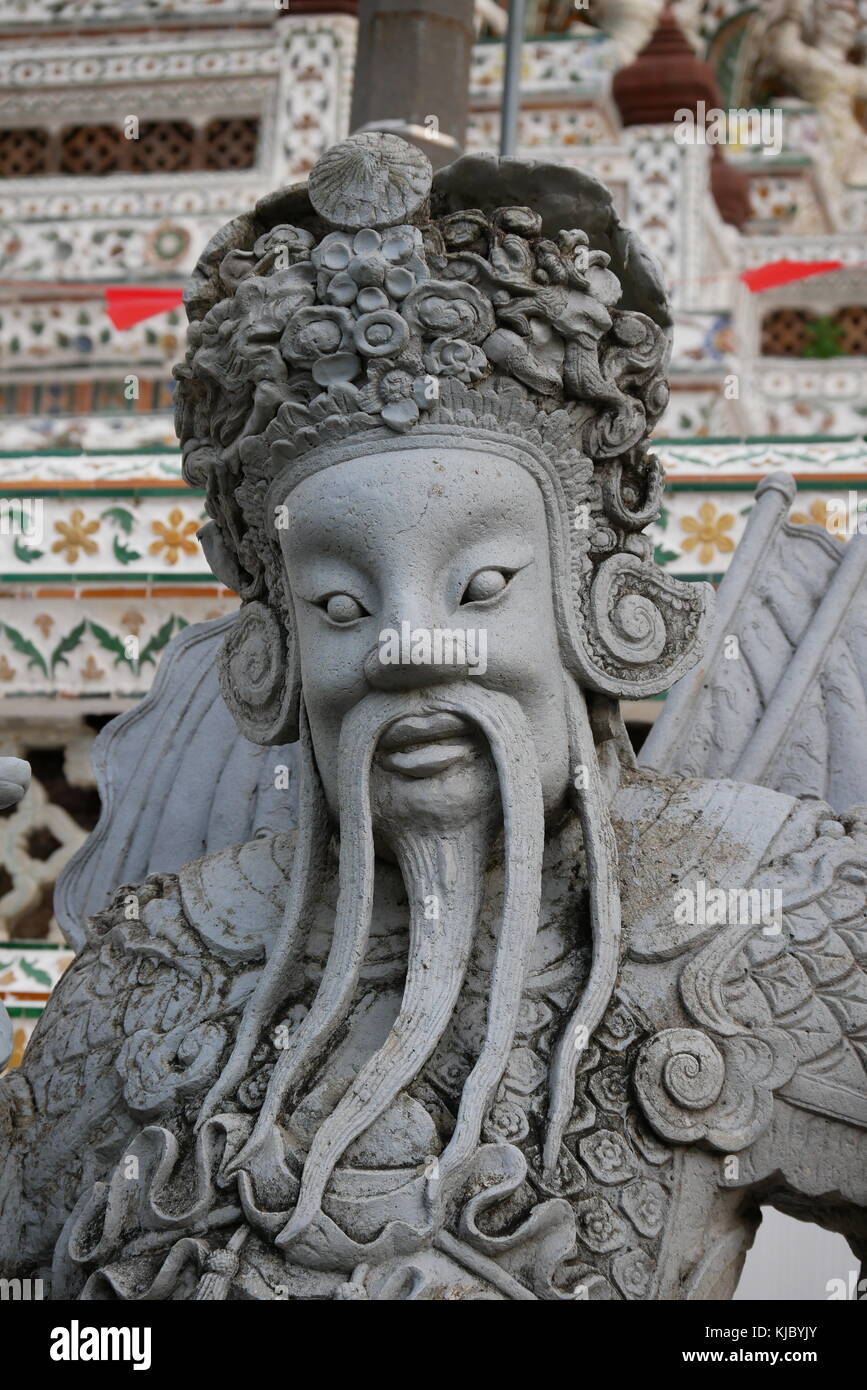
<point x="439" y="864"/>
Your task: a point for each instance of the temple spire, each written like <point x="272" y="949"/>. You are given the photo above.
<point x="667" y="77"/>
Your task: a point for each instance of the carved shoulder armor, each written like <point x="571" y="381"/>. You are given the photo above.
<point x="755" y="955"/>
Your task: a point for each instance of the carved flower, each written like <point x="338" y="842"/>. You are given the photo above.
<point x="157" y="1067"/>
<point x="707" y="533"/>
<point x="398" y="391"/>
<point x="382" y="333"/>
<point x="74" y="536"/>
<point x="618" y="1028"/>
<point x="607" y="1156"/>
<point x="533" y="1016"/>
<point x="525" y="1072"/>
<point x="567" y="1179"/>
<point x="609" y="1087"/>
<point x="262" y="305"/>
<point x="367" y="178"/>
<point x="693" y="1087"/>
<point x="237" y="340"/>
<point x="644" y="1204"/>
<point x="522" y="221"/>
<point x="295" y="243"/>
<point x="599" y="1226"/>
<point x="389" y="264"/>
<point x="449" y="1069"/>
<point x="449" y="309"/>
<point x="506" y="1121"/>
<point x="472" y="1021"/>
<point x="633" y="1271"/>
<point x="466" y="231"/>
<point x="251" y="1091"/>
<point x="454" y="357"/>
<point x="317" y="331"/>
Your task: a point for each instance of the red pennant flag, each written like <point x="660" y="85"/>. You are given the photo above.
<point x="766" y="277"/>
<point x="130" y="304"/>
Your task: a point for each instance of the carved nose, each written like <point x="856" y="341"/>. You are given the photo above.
<point x="401" y="664"/>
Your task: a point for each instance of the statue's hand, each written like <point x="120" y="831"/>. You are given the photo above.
<point x="14" y="781"/>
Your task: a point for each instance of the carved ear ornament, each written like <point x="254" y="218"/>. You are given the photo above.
<point x="259" y="677"/>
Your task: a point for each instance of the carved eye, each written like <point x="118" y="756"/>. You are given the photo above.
<point x="343" y="608"/>
<point x="486" y="584"/>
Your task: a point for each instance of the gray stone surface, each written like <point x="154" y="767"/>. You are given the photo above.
<point x="504" y="1016"/>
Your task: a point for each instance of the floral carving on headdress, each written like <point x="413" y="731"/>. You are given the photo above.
<point x="469" y="296"/>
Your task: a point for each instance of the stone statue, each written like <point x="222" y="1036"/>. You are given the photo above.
<point x="808" y="45"/>
<point x="504" y="1016"/>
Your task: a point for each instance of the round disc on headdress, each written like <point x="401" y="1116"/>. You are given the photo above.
<point x="369" y="180"/>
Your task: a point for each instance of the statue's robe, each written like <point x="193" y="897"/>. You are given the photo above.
<point x="729" y="1070"/>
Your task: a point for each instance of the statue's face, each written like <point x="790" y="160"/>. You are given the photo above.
<point x="417" y="569"/>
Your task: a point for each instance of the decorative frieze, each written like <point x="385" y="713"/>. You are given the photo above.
<point x="838" y="459"/>
<point x="70" y="534"/>
<point x="77" y="12"/>
<point x="50" y="333"/>
<point x="548" y="65"/>
<point x="63" y="644"/>
<point x="29" y="474"/>
<point x="105" y="249"/>
<point x="59" y="401"/>
<point x="216" y="195"/>
<point x="196" y="53"/>
<point x="547" y="128"/>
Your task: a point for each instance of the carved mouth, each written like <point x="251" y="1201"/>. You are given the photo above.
<point x="423" y="745"/>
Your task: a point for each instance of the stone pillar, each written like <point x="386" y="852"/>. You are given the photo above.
<point x="412" y="72"/>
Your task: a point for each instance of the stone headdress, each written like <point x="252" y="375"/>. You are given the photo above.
<point x="378" y="305"/>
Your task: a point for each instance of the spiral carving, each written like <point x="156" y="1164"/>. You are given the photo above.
<point x="635" y="631"/>
<point x="258" y="680"/>
<point x="679" y="1073"/>
<point x="642" y="627"/>
<point x="694" y="1079"/>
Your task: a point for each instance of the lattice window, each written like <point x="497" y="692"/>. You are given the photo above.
<point x="90" y="149"/>
<point x="784" y="333"/>
<point x="798" y="333"/>
<point x="41" y="833"/>
<point x="163" y="147"/>
<point x="231" y="144"/>
<point x="852" y="322"/>
<point x="23" y="153"/>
